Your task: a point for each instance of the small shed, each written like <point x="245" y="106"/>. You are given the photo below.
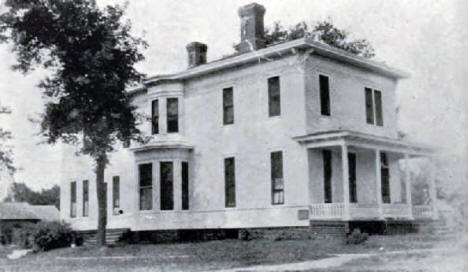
<point x="21" y="212"/>
<point x="17" y="212"/>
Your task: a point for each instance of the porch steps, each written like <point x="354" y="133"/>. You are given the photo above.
<point x="113" y="236"/>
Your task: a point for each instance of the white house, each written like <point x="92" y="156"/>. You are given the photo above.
<point x="294" y="135"/>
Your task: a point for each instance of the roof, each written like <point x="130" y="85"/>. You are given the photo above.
<point x="46" y="212"/>
<point x="24" y="211"/>
<point x="16" y="211"/>
<point x="322" y="138"/>
<point x="278" y="50"/>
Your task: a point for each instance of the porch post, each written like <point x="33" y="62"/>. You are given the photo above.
<point x="345" y="166"/>
<point x="378" y="183"/>
<point x="433" y="190"/>
<point x="409" y="201"/>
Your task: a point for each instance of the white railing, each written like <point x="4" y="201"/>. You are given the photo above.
<point x="368" y="211"/>
<point x="363" y="210"/>
<point x="422" y="211"/>
<point x="327" y="210"/>
<point x="396" y="210"/>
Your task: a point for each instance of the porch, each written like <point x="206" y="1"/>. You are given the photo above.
<point x="355" y="176"/>
<point x="336" y="211"/>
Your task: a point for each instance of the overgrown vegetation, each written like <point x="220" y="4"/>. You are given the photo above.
<point x="41" y="236"/>
<point x="357" y="237"/>
<point x="323" y="31"/>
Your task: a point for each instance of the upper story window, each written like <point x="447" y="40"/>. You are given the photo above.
<point x="85" y="198"/>
<point x="230" y="182"/>
<point x="146" y="186"/>
<point x="274" y="97"/>
<point x="277" y="181"/>
<point x="155" y="116"/>
<point x="324" y="85"/>
<point x="172" y="115"/>
<point x="115" y="194"/>
<point x="73" y="199"/>
<point x="228" y="106"/>
<point x="374" y="113"/>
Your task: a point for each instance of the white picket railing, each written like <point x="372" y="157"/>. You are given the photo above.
<point x="369" y="211"/>
<point x="422" y="211"/>
<point x="358" y="210"/>
<point x="326" y="210"/>
<point x="396" y="210"/>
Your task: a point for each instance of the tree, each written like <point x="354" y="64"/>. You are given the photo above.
<point x="323" y="31"/>
<point x="20" y="192"/>
<point x="6" y="155"/>
<point x="91" y="56"/>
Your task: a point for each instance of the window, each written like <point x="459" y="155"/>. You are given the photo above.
<point x="116" y="194"/>
<point x="228" y="106"/>
<point x="385" y="175"/>
<point x="172" y="115"/>
<point x="155" y="116"/>
<point x="230" y="182"/>
<point x="352" y="177"/>
<point x="324" y="95"/>
<point x="378" y="107"/>
<point x="185" y="186"/>
<point x="85" y="198"/>
<point x="167" y="195"/>
<point x="374" y="113"/>
<point x="274" y="99"/>
<point x="73" y="199"/>
<point x="146" y="186"/>
<point x="327" y="175"/>
<point x="277" y="181"/>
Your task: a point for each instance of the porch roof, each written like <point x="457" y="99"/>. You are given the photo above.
<point x="353" y="138"/>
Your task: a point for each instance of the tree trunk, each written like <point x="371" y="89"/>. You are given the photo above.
<point x="102" y="200"/>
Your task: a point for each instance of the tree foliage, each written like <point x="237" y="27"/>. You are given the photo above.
<point x="20" y="192"/>
<point x="6" y="154"/>
<point x="91" y="55"/>
<point x="323" y="31"/>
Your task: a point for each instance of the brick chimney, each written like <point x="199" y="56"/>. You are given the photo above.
<point x="196" y="53"/>
<point x="252" y="31"/>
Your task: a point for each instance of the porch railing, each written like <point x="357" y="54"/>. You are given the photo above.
<point x="327" y="210"/>
<point x="359" y="210"/>
<point x="368" y="211"/>
<point x="422" y="211"/>
<point x="396" y="210"/>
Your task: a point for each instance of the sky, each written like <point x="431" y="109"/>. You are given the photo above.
<point x="426" y="38"/>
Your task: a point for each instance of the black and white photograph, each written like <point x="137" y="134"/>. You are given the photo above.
<point x="235" y="135"/>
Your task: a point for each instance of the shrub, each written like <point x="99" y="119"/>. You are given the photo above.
<point x="42" y="236"/>
<point x="50" y="235"/>
<point x="356" y="237"/>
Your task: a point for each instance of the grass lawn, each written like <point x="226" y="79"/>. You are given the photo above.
<point x="202" y="256"/>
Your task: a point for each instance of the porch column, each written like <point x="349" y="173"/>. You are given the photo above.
<point x="378" y="183"/>
<point x="409" y="201"/>
<point x="433" y="190"/>
<point x="345" y="166"/>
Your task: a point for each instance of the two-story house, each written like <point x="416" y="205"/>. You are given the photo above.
<point x="295" y="135"/>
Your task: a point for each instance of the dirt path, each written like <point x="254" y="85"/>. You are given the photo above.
<point x="334" y="262"/>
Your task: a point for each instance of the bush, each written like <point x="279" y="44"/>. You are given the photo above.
<point x="50" y="235"/>
<point x="356" y="237"/>
<point x="42" y="236"/>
